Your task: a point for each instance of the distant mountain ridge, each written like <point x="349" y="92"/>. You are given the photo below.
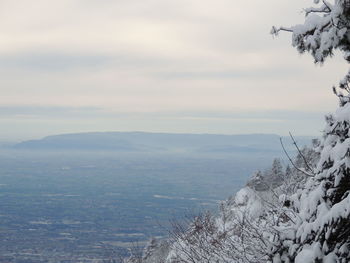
<point x="143" y="141"/>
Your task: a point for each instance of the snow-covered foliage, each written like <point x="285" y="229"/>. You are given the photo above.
<point x="155" y="251"/>
<point x="326" y="28"/>
<point x="320" y="229"/>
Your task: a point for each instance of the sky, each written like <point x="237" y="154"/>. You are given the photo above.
<point x="184" y="66"/>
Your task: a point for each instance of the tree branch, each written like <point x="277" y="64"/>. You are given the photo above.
<point x="301" y="154"/>
<point x="291" y="161"/>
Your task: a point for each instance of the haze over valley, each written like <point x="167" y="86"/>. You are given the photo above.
<point x="86" y="196"/>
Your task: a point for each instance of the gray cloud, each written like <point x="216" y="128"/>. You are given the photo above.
<point x="52" y="61"/>
<point x="92" y="113"/>
<point x="185" y="65"/>
<point x="40" y="112"/>
<point x="266" y="73"/>
<point x="60" y="61"/>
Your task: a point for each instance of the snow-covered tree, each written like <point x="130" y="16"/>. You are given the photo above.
<point x="275" y="175"/>
<point x="257" y="182"/>
<point x="326" y="28"/>
<point x="155" y="251"/>
<point x="320" y="229"/>
<point x="149" y="248"/>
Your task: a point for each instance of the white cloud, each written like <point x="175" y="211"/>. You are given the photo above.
<point x="158" y="55"/>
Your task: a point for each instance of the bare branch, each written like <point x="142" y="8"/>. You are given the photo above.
<point x="328" y="5"/>
<point x="301" y="154"/>
<point x="274" y="30"/>
<point x="291" y="161"/>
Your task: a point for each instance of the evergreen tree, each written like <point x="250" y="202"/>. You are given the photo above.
<point x="320" y="229"/>
<point x="150" y="248"/>
<point x="258" y="182"/>
<point x="275" y="176"/>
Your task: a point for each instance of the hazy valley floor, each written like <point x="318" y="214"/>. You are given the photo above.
<point x="65" y="206"/>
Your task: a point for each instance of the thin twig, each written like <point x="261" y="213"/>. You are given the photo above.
<point x="301" y="154"/>
<point x="291" y="161"/>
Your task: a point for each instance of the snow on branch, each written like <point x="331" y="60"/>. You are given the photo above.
<point x="325" y="8"/>
<point x="325" y="29"/>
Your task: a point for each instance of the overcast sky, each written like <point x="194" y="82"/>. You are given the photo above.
<point x="199" y="66"/>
